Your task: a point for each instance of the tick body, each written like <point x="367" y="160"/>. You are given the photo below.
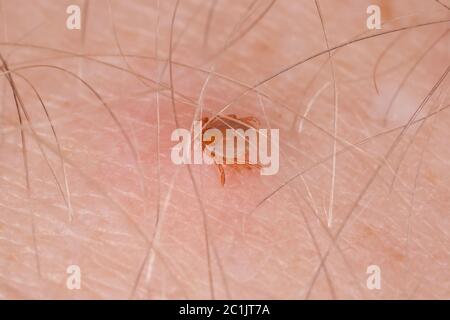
<point x="224" y="123"/>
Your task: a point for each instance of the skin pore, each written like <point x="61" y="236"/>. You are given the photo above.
<point x="86" y="177"/>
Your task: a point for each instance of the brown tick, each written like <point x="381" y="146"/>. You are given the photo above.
<point x="222" y="123"/>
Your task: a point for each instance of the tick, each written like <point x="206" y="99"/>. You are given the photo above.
<point x="224" y="123"/>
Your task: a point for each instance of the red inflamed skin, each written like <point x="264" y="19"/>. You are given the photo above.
<point x="92" y="205"/>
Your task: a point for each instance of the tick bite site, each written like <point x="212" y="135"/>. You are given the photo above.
<point x="250" y="146"/>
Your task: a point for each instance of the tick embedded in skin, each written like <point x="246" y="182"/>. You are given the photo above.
<point x="230" y="122"/>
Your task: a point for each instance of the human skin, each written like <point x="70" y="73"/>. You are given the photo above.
<point x="88" y="180"/>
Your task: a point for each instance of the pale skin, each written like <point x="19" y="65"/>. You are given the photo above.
<point x="86" y="177"/>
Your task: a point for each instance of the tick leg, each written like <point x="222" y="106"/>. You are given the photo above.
<point x="222" y="174"/>
<point x="252" y="121"/>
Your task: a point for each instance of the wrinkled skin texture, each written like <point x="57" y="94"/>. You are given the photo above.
<point x="360" y="183"/>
